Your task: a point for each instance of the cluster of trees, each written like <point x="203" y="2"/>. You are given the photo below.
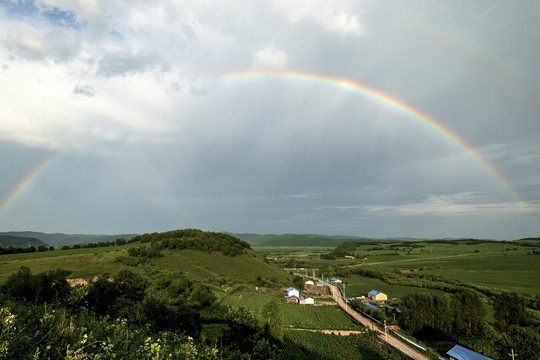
<point x="99" y="244"/>
<point x="27" y="249"/>
<point x="461" y="317"/>
<point x="140" y="255"/>
<point x="197" y="240"/>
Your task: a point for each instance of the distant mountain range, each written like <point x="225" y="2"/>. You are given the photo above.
<point x="56" y="239"/>
<point x="34" y="238"/>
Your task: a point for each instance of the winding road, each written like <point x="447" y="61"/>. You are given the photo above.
<point x="388" y="338"/>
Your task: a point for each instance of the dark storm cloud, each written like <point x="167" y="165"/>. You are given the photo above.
<point x="155" y="139"/>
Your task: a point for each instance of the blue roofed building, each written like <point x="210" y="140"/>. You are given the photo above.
<point x="461" y="353"/>
<point x="335" y="280"/>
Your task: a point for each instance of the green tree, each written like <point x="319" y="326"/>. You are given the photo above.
<point x="272" y="319"/>
<point x="509" y="309"/>
<point x="298" y="282"/>
<point x="242" y="329"/>
<point x="201" y="295"/>
<point x="525" y="342"/>
<point x="468" y="313"/>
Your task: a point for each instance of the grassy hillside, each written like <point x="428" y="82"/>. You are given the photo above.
<point x="19" y="241"/>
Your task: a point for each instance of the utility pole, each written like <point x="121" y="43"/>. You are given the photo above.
<point x="385" y="334"/>
<point x="512" y="354"/>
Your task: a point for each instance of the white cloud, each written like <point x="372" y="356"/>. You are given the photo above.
<point x="270" y="57"/>
<point x="453" y="205"/>
<point x="334" y="16"/>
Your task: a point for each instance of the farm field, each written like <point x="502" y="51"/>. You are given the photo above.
<point x="316" y="317"/>
<point x="513" y="271"/>
<point x="492" y="265"/>
<point x="290" y="250"/>
<point x="360" y="285"/>
<point x="250" y="300"/>
<point x="294" y="315"/>
<point x="316" y="346"/>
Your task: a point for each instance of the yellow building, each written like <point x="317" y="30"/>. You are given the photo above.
<point x="377" y="295"/>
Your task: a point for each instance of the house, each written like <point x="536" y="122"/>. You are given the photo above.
<point x="307" y="300"/>
<point x="461" y="353"/>
<point x="309" y="282"/>
<point x="377" y="295"/>
<point x="293" y="292"/>
<point x="335" y="280"/>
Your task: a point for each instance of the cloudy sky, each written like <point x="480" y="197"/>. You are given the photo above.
<point x="131" y="104"/>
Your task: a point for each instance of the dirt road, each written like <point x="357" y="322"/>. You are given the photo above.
<point x="391" y="340"/>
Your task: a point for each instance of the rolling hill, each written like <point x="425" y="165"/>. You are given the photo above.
<point x="19" y="241"/>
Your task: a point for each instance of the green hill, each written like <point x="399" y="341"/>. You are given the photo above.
<point x="202" y="256"/>
<point x="19" y="241"/>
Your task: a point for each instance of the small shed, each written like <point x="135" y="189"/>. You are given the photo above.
<point x="377" y="295"/>
<point x="309" y="282"/>
<point x="461" y="353"/>
<point x="292" y="299"/>
<point x="371" y="306"/>
<point x="321" y="283"/>
<point x="335" y="280"/>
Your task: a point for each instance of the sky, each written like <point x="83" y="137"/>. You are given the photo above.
<point x="136" y="116"/>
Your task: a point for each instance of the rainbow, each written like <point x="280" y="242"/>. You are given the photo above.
<point x="389" y="101"/>
<point x="25" y="183"/>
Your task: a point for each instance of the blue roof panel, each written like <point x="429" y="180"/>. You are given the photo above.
<point x="461" y="353"/>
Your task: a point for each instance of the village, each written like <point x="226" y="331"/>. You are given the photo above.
<point x="318" y="290"/>
<point x="317" y="293"/>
